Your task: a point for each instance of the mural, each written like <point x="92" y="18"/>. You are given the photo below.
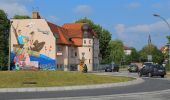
<point x="26" y="53"/>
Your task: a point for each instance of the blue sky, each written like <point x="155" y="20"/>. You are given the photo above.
<point x="128" y="20"/>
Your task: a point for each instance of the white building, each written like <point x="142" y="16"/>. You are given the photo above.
<point x="127" y="50"/>
<point x="76" y="41"/>
<point x="37" y="43"/>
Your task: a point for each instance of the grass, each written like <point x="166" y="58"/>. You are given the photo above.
<point x="17" y="79"/>
<point x="168" y="74"/>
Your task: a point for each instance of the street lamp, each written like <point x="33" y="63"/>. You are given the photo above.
<point x="168" y="44"/>
<point x="156" y="15"/>
<point x="9" y="58"/>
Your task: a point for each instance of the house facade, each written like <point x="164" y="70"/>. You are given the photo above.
<point x="37" y="43"/>
<point x="127" y="50"/>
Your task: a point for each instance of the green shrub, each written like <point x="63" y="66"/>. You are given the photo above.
<point x="167" y="67"/>
<point x="85" y="68"/>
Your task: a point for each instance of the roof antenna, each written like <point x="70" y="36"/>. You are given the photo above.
<point x="35" y="9"/>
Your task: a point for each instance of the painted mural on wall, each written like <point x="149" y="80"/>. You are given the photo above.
<point x="26" y="53"/>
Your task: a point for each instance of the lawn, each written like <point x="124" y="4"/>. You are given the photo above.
<point x="13" y="79"/>
<point x="168" y="74"/>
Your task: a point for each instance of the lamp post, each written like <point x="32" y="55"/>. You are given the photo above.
<point x="9" y="58"/>
<point x="168" y="44"/>
<point x="157" y="15"/>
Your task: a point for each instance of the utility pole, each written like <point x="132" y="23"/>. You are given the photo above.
<point x="9" y="41"/>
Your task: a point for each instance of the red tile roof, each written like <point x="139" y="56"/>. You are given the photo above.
<point x="68" y="34"/>
<point x="73" y="26"/>
<point x="126" y="48"/>
<point x="61" y="33"/>
<point x="77" y="27"/>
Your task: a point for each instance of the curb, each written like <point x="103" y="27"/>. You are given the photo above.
<point x="41" y="89"/>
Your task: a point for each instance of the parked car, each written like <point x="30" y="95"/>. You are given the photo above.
<point x="152" y="70"/>
<point x="133" y="68"/>
<point x="147" y="63"/>
<point x="112" y="68"/>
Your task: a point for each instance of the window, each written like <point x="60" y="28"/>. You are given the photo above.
<point x="89" y="61"/>
<point x="84" y="41"/>
<point x="85" y="34"/>
<point x="59" y="48"/>
<point x="89" y="49"/>
<point x="89" y="41"/>
<point x="75" y="54"/>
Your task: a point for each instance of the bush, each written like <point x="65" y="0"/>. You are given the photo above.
<point x="85" y="68"/>
<point x="167" y="67"/>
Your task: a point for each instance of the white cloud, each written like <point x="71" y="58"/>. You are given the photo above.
<point x="134" y="5"/>
<point x="146" y="28"/>
<point x="135" y="35"/>
<point x="83" y="9"/>
<point x="156" y="5"/>
<point x="13" y="7"/>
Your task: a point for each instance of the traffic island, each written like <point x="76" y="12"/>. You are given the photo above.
<point x="12" y="81"/>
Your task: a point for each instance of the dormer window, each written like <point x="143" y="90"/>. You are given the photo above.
<point x="86" y="29"/>
<point x="85" y="34"/>
<point x="84" y="41"/>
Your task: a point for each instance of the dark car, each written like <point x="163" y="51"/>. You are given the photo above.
<point x="152" y="70"/>
<point x="133" y="68"/>
<point x="147" y="63"/>
<point x="112" y="68"/>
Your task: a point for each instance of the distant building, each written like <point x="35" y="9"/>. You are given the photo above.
<point x="37" y="43"/>
<point x="164" y="49"/>
<point x="127" y="50"/>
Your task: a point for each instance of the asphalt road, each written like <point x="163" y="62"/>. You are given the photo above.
<point x="150" y="85"/>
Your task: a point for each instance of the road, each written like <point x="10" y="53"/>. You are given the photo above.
<point x="150" y="85"/>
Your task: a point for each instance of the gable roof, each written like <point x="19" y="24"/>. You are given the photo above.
<point x="77" y="28"/>
<point x="65" y="36"/>
<point x="61" y="33"/>
<point x="73" y="26"/>
<point x="126" y="48"/>
<point x="69" y="34"/>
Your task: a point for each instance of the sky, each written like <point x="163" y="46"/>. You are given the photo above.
<point x="128" y="20"/>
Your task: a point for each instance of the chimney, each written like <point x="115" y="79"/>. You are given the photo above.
<point x="35" y="15"/>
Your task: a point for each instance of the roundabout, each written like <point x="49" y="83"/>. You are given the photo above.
<point x="147" y="87"/>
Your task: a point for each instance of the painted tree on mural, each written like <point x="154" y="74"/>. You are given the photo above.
<point x="4" y="33"/>
<point x="104" y="38"/>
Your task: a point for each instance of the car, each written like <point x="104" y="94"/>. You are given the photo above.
<point x="152" y="70"/>
<point x="133" y="68"/>
<point x="147" y="63"/>
<point x="112" y="68"/>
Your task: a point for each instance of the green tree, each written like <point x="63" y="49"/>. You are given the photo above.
<point x="4" y="34"/>
<point x="151" y="49"/>
<point x="168" y="37"/>
<point x="103" y="35"/>
<point x="133" y="57"/>
<point x="22" y="17"/>
<point x="117" y="51"/>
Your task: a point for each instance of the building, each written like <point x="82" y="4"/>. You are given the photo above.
<point x="37" y="43"/>
<point x="127" y="50"/>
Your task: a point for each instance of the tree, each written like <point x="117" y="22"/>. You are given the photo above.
<point x="117" y="51"/>
<point x="4" y="34"/>
<point x="21" y="17"/>
<point x="103" y="35"/>
<point x="168" y="37"/>
<point x="157" y="55"/>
